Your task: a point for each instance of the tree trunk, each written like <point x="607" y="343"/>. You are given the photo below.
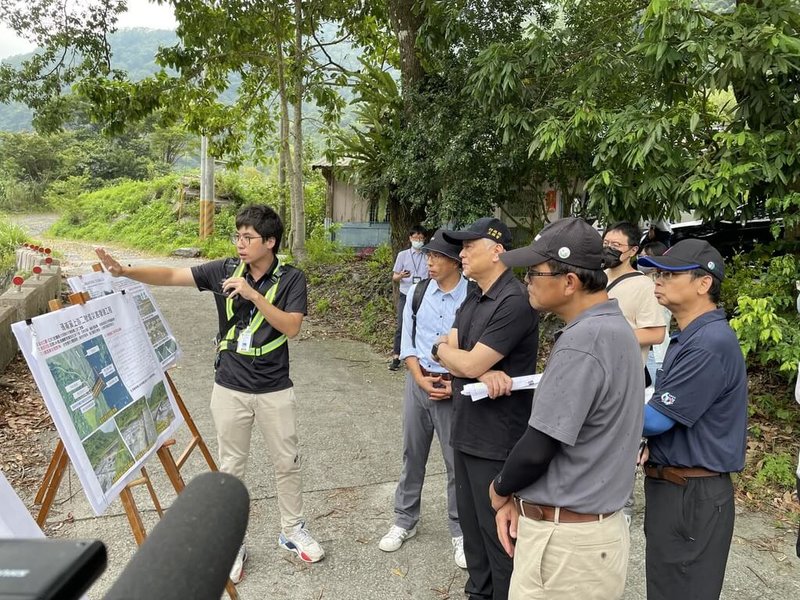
<point x="285" y="165"/>
<point x="298" y="201"/>
<point x="405" y="24"/>
<point x="402" y="217"/>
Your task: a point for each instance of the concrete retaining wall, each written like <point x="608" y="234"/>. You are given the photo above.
<point x="26" y="302"/>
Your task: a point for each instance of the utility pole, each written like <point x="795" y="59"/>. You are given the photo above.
<point x="206" y="190"/>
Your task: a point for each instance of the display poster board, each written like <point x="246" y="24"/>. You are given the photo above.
<point x="101" y="283"/>
<point x="15" y="520"/>
<point x="104" y="386"/>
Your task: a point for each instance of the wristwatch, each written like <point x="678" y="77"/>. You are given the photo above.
<point x="435" y="351"/>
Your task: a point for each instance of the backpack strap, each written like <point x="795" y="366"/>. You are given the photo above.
<point x="622" y="278"/>
<point x="416" y="302"/>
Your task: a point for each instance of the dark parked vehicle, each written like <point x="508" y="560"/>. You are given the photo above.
<point x="729" y="237"/>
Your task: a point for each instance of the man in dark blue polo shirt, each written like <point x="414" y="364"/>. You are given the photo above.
<point x="495" y="336"/>
<point x="696" y="425"/>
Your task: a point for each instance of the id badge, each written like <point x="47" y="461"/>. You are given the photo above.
<point x="245" y="340"/>
<point x="416" y="279"/>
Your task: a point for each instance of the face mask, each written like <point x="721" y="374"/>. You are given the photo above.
<point x="611" y="257"/>
<point x="417" y="245"/>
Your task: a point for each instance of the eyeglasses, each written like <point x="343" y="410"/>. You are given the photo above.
<point x="668" y="275"/>
<point x="236" y="238"/>
<point x="530" y="274"/>
<point x="615" y="245"/>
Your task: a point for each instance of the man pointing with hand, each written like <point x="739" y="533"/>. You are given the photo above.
<point x="260" y="304"/>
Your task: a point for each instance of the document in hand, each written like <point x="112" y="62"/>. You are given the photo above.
<point x="479" y="391"/>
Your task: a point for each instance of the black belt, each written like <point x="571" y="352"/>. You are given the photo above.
<point x="445" y="376"/>
<point x="678" y="475"/>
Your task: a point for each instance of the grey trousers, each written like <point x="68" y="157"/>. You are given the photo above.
<point x="421" y="417"/>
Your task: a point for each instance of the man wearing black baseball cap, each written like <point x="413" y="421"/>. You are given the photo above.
<point x="565" y="482"/>
<point x="696" y="425"/>
<point x="427" y="399"/>
<point x="495" y="335"/>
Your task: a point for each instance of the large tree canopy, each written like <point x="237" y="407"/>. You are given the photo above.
<point x="659" y="106"/>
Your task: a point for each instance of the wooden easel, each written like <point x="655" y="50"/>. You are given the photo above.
<point x="59" y="461"/>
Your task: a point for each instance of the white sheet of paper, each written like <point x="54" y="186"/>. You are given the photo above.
<point x="479" y="391"/>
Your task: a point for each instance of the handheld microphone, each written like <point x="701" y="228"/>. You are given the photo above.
<point x="191" y="550"/>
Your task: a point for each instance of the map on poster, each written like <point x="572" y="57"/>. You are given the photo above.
<point x="98" y="284"/>
<point x="104" y="387"/>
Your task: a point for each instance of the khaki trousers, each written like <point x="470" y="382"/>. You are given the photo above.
<point x="570" y="560"/>
<point x="274" y="412"/>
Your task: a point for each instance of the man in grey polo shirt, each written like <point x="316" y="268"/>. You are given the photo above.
<point x="572" y="470"/>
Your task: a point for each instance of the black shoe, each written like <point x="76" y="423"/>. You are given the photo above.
<point x="394" y="364"/>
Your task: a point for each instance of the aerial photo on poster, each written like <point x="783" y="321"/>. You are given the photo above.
<point x="100" y="283"/>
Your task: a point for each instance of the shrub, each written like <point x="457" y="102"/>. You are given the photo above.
<point x="762" y="288"/>
<point x="11" y="238"/>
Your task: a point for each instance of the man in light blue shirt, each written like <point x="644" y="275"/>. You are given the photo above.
<point x="427" y="401"/>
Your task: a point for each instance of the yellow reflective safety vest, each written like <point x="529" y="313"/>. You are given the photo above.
<point x="229" y="341"/>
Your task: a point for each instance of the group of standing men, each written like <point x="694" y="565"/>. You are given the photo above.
<point x="541" y="481"/>
<point x="535" y="484"/>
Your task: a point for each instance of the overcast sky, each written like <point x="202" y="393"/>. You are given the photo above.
<point x="141" y="13"/>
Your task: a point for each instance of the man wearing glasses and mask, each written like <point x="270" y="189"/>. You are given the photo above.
<point x="633" y="290"/>
<point x="696" y="425"/>
<point x="260" y="305"/>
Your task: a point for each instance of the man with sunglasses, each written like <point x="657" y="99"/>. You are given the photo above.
<point x="696" y="425"/>
<point x="561" y="490"/>
<point x="260" y="305"/>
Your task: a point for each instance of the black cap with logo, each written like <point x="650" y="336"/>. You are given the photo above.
<point x="487" y="227"/>
<point x="437" y="243"/>
<point x="688" y="255"/>
<point x="571" y="241"/>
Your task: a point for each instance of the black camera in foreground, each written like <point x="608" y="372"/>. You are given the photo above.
<point x="41" y="569"/>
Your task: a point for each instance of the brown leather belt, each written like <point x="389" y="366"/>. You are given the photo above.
<point x="677" y="475"/>
<point x="445" y="376"/>
<point x="539" y="512"/>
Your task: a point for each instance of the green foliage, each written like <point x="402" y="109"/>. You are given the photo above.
<point x="11" y="238"/>
<point x="658" y="107"/>
<point x="428" y="149"/>
<point x="322" y="251"/>
<point x="779" y="470"/>
<point x="139" y="214"/>
<point x="762" y="288"/>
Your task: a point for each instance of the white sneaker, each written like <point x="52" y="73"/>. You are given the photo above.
<point x="301" y="543"/>
<point x="237" y="570"/>
<point x="395" y="538"/>
<point x="458" y="552"/>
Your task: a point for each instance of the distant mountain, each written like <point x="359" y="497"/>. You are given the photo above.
<point x="134" y="51"/>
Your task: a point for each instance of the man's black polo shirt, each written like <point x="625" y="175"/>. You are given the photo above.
<point x="256" y="375"/>
<point x="703" y="387"/>
<point x="502" y="319"/>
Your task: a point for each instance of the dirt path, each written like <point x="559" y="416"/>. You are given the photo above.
<point x="349" y="424"/>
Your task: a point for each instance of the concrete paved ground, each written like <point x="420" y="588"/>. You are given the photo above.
<point x="349" y="422"/>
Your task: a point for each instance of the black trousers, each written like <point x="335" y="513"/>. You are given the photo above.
<point x="488" y="564"/>
<point x="688" y="531"/>
<point x="398" y="331"/>
<point x="798" y="531"/>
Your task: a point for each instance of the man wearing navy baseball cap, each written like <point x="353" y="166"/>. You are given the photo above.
<point x="565" y="482"/>
<point x="696" y="425"/>
<point x="495" y="336"/>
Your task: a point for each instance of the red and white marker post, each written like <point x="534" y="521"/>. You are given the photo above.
<point x="17" y="282"/>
